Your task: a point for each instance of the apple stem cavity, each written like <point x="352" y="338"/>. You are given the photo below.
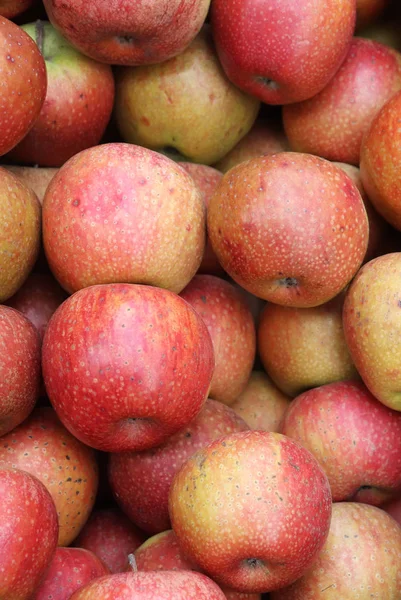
<point x="40" y="35"/>
<point x="132" y="563"/>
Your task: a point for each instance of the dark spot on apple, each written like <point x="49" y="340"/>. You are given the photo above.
<point x="399" y="303"/>
<point x="294" y="466"/>
<point x="188" y="434"/>
<point x="266" y="82"/>
<point x="288" y="282"/>
<point x="254" y="563"/>
<point x="76" y="202"/>
<point x="69" y="479"/>
<point x="81" y="95"/>
<point x="67" y="457"/>
<point x="203" y="298"/>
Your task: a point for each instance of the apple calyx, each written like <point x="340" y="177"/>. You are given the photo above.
<point x="40" y="35"/>
<point x="266" y="82"/>
<point x="132" y="563"/>
<point x="288" y="282"/>
<point x="255" y="563"/>
<point x="125" y="40"/>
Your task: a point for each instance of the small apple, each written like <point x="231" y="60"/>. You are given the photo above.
<point x="13" y="8"/>
<point x="36" y="178"/>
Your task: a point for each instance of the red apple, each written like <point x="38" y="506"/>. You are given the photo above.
<point x="19" y="368"/>
<point x="111" y="536"/>
<point x="69" y="571"/>
<point x="169" y="585"/>
<point x="261" y="404"/>
<point x="360" y="559"/>
<point x="274" y="50"/>
<point x="276" y="233"/>
<point x="355" y="438"/>
<point x="122" y="213"/>
<point x="68" y="469"/>
<point x="13" y="8"/>
<point x="78" y="104"/>
<point x="232" y="329"/>
<point x="24" y="84"/>
<point x="333" y="123"/>
<point x="36" y="178"/>
<point x="126" y="366"/>
<point x="252" y="509"/>
<point x="28" y="533"/>
<point x="128" y="33"/>
<point x="141" y="480"/>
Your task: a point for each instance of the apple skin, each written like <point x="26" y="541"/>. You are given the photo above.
<point x="20" y="232"/>
<point x="141" y="481"/>
<point x="68" y="469"/>
<point x="372" y="326"/>
<point x="261" y="404"/>
<point x="333" y="123"/>
<point x="70" y="570"/>
<point x="28" y="533"/>
<point x="111" y="536"/>
<point x="342" y="425"/>
<point x="360" y="559"/>
<point x="126" y="366"/>
<point x="160" y="107"/>
<point x="123" y="32"/>
<point x="20" y="372"/>
<point x="169" y="585"/>
<point x="304" y="348"/>
<point x="380" y="159"/>
<point x="264" y="493"/>
<point x="78" y="105"/>
<point x="122" y="213"/>
<point x="272" y="50"/>
<point x="24" y="84"/>
<point x="232" y="329"/>
<point x="13" y="8"/>
<point x="276" y="237"/>
<point x="36" y="178"/>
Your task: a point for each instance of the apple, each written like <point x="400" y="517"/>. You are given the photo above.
<point x="372" y="326"/>
<point x="333" y="123"/>
<point x="13" y="8"/>
<point x="207" y="179"/>
<point x="78" y="104"/>
<point x="24" y="84"/>
<point x="169" y="585"/>
<point x="128" y="33"/>
<point x="261" y="404"/>
<point x="20" y="227"/>
<point x="266" y="137"/>
<point x="360" y="559"/>
<point x="126" y="366"/>
<point x="69" y="570"/>
<point x="355" y="438"/>
<point x="232" y="329"/>
<point x="161" y="107"/>
<point x="20" y="371"/>
<point x="111" y="536"/>
<point x="367" y="11"/>
<point x="282" y="51"/>
<point x="36" y="178"/>
<point x="252" y="509"/>
<point x="380" y="157"/>
<point x="28" y="533"/>
<point x="277" y="235"/>
<point x="37" y="299"/>
<point x="303" y="348"/>
<point x="68" y="469"/>
<point x="122" y="213"/>
<point x="141" y="481"/>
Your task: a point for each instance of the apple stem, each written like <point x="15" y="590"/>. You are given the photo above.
<point x="132" y="563"/>
<point x="39" y="34"/>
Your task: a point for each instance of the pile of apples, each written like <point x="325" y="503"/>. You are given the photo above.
<point x="200" y="299"/>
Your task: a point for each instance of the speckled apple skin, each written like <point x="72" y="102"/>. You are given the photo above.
<point x="36" y="178"/>
<point x="354" y="437"/>
<point x="172" y="585"/>
<point x="24" y="84"/>
<point x="126" y="366"/>
<point x="68" y="469"/>
<point x="122" y="213"/>
<point x="12" y="8"/>
<point x="232" y="329"/>
<point x="161" y="105"/>
<point x="290" y="228"/>
<point x="372" y="326"/>
<point x="126" y="32"/>
<point x="20" y="229"/>
<point x="333" y="123"/>
<point x="303" y="348"/>
<point x="261" y="404"/>
<point x="273" y="49"/>
<point x="380" y="159"/>
<point x="20" y="372"/>
<point x="251" y="496"/>
<point x="111" y="536"/>
<point x="28" y="533"/>
<point x="70" y="570"/>
<point x="141" y="480"/>
<point x="359" y="561"/>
